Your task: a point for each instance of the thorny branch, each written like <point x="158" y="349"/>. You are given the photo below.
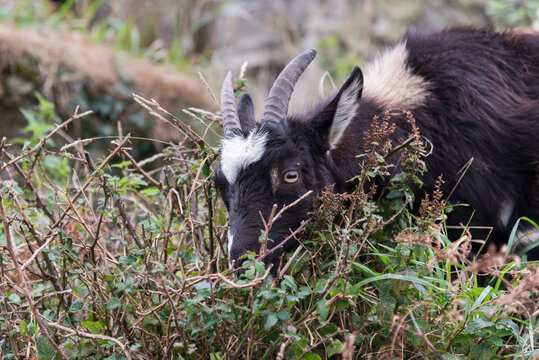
<point x="42" y="142"/>
<point x="188" y="301"/>
<point x="23" y="278"/>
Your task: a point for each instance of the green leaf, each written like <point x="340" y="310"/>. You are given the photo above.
<point x="394" y="194"/>
<point x="14" y="298"/>
<point x="453" y="357"/>
<point x="311" y="356"/>
<point x="508" y="323"/>
<point x="271" y="320"/>
<point x="320" y="286"/>
<point x="477" y="324"/>
<point x="283" y="315"/>
<point x="289" y="282"/>
<point x="334" y="348"/>
<point x="127" y="260"/>
<point x="328" y="329"/>
<point x="410" y="278"/>
<point x="95" y="327"/>
<point x="481" y="352"/>
<point x="23" y="327"/>
<point x="113" y="303"/>
<point x="482" y="296"/>
<point x="206" y="170"/>
<point x="399" y="177"/>
<point x="44" y="348"/>
<point x="498" y="341"/>
<point x="76" y="306"/>
<point x="364" y="269"/>
<point x="303" y="292"/>
<point x="122" y="165"/>
<point x="322" y="309"/>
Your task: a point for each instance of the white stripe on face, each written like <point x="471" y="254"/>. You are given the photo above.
<point x="230" y="242"/>
<point x="238" y="152"/>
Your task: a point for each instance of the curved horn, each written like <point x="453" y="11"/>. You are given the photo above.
<point x="276" y="107"/>
<point x="231" y="121"/>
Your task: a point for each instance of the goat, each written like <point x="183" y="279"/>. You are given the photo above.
<point x="474" y="94"/>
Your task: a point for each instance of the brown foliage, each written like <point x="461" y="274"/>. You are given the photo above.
<point x="46" y="53"/>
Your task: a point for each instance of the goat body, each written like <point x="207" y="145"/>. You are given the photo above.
<point x="474" y="94"/>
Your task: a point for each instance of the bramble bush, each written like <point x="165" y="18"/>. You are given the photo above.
<point x="118" y="258"/>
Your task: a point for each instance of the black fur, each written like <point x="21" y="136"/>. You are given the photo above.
<point x="483" y="103"/>
<point x="246" y="112"/>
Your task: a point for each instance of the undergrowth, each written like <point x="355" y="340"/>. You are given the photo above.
<point x="139" y="38"/>
<point x="117" y="258"/>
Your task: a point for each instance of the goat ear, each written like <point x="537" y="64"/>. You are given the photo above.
<point x="335" y="117"/>
<point x="246" y="113"/>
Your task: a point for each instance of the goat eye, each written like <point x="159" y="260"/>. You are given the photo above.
<point x="291" y="177"/>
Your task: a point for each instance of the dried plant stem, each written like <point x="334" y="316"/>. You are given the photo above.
<point x="30" y="185"/>
<point x="79" y="192"/>
<point x="53" y="275"/>
<point x="252" y="283"/>
<point x="272" y="219"/>
<point x="420" y="333"/>
<point x="156" y="111"/>
<point x="201" y="77"/>
<point x="51" y="233"/>
<point x="285" y="208"/>
<point x="42" y="142"/>
<point x="143" y="173"/>
<point x="124" y="347"/>
<point x="288" y="238"/>
<point x="25" y="286"/>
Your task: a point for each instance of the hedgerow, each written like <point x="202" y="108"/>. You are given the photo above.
<point x="119" y="258"/>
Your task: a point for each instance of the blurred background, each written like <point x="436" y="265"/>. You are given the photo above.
<point x="55" y="55"/>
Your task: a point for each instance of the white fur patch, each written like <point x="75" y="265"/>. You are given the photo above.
<point x="230" y="241"/>
<point x="346" y="109"/>
<point x="506" y="210"/>
<point x="390" y="82"/>
<point x="238" y="152"/>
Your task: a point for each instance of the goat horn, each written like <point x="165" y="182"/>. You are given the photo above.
<point x="276" y="107"/>
<point x="231" y="121"/>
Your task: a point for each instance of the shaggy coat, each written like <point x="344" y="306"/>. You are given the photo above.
<point x="474" y="94"/>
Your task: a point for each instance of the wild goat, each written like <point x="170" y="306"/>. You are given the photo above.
<point x="474" y="94"/>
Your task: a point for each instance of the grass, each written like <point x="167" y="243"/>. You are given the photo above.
<point x="117" y="258"/>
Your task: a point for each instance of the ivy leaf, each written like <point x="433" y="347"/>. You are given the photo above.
<point x="477" y="324"/>
<point x="270" y="321"/>
<point x="95" y="327"/>
<point x="44" y="348"/>
<point x="322" y="309"/>
<point x="481" y="352"/>
<point x="113" y="303"/>
<point x="14" y="298"/>
<point x="76" y="306"/>
<point x="334" y="348"/>
<point x="283" y="315"/>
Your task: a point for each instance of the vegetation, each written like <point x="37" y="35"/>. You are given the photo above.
<point x="110" y="255"/>
<point x="82" y="16"/>
<point x="101" y="260"/>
